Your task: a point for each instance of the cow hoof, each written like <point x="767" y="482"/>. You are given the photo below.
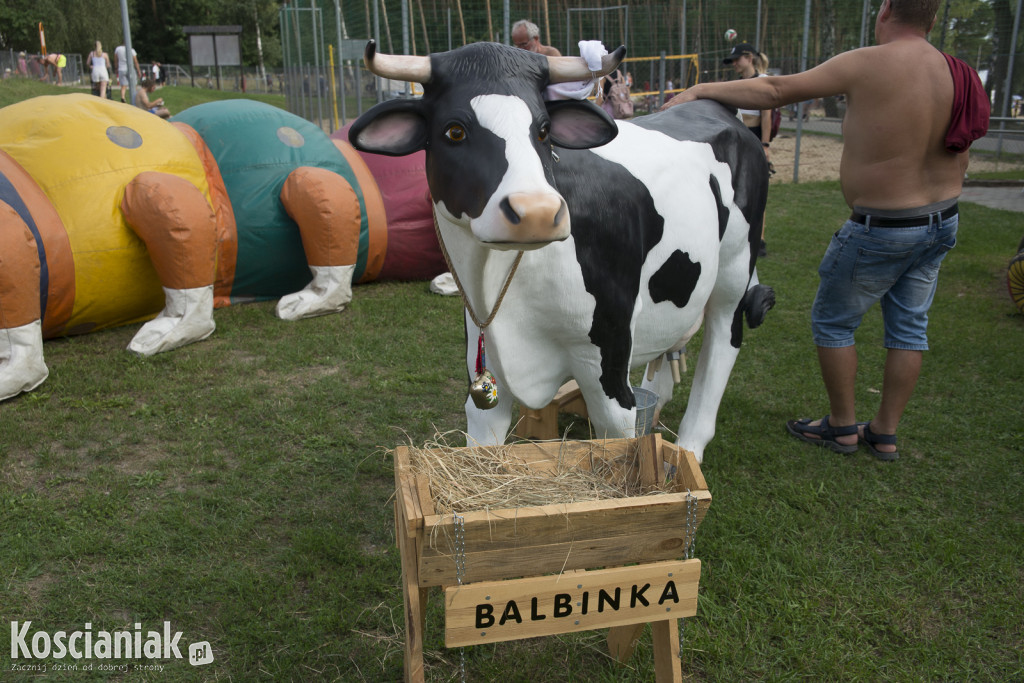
<point x="758" y="300"/>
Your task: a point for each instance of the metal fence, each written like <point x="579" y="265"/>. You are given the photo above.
<point x="27" y="65"/>
<point x="671" y="45"/>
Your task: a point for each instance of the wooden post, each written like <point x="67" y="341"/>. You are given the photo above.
<point x="415" y="602"/>
<point x="665" y="635"/>
<point x="462" y="22"/>
<point x="622" y="641"/>
<point x="423" y="24"/>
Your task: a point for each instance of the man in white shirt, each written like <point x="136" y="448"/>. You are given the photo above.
<point x="121" y="62"/>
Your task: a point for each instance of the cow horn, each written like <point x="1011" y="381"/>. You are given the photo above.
<point x="399" y="67"/>
<point x="567" y="69"/>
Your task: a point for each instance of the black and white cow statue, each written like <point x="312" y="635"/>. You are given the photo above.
<point x="632" y="232"/>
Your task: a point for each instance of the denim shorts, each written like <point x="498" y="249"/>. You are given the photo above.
<point x="897" y="266"/>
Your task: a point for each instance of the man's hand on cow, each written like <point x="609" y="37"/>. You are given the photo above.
<point x="685" y="96"/>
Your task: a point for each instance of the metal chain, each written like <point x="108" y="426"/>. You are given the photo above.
<point x="691" y="533"/>
<point x="460" y="572"/>
<point x="458" y="283"/>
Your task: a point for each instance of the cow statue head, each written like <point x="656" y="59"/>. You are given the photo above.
<point x="490" y="142"/>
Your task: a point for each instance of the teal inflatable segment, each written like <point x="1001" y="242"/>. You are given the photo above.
<point x="256" y="146"/>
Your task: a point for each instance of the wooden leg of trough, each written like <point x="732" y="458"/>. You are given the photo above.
<point x="415" y="604"/>
<point x="622" y="641"/>
<point x="665" y="635"/>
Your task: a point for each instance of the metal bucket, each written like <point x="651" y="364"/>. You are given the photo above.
<point x="646" y="403"/>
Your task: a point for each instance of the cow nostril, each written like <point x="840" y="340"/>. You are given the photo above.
<point x="510" y="214"/>
<point x="562" y="211"/>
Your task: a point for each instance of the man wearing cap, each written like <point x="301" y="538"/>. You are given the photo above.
<point x="912" y="113"/>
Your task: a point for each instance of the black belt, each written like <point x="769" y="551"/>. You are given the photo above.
<point x="909" y="222"/>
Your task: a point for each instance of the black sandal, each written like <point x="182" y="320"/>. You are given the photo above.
<point x="872" y="439"/>
<point x="824" y="434"/>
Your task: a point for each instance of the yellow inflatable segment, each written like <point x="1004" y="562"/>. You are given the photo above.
<point x="83" y="151"/>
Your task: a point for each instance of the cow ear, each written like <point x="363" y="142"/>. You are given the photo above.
<point x="394" y="128"/>
<point x="577" y="124"/>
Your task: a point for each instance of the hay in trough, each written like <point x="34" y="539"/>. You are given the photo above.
<point x="496" y="477"/>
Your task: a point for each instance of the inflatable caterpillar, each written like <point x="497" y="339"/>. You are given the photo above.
<point x="111" y="216"/>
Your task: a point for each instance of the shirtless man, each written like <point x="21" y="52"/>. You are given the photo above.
<point x="146" y="88"/>
<point x="526" y="36"/>
<point x="901" y="176"/>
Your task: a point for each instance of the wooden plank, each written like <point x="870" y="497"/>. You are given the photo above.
<point x="537" y="424"/>
<point x="655" y="545"/>
<point x="646" y="455"/>
<point x="688" y="474"/>
<point x="495" y="611"/>
<point x="622" y="641"/>
<point x="415" y="600"/>
<point x="665" y="635"/>
<point x="510" y="528"/>
<point x="405" y="492"/>
<point x="423" y="498"/>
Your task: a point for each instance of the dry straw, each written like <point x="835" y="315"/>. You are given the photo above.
<point x="495" y="477"/>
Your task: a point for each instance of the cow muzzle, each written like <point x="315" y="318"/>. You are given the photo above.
<point x="531" y="218"/>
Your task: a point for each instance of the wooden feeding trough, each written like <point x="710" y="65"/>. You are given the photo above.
<point x="522" y="571"/>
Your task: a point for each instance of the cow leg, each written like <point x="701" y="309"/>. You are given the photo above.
<point x="719" y="350"/>
<point x="608" y="419"/>
<point x="21" y="334"/>
<point x="489" y="427"/>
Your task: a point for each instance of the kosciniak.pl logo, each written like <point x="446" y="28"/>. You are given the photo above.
<point x="82" y="644"/>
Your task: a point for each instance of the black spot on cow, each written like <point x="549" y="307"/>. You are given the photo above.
<point x="733" y="144"/>
<point x="675" y="280"/>
<point x="723" y="212"/>
<point x="613" y="233"/>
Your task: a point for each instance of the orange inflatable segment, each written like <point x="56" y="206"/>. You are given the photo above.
<point x="376" y="216"/>
<point x="227" y="227"/>
<point x="19" y="271"/>
<point x="173" y="218"/>
<point x="327" y="211"/>
<point x="57" y="273"/>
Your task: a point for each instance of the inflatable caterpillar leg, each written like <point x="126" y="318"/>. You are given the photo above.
<point x="179" y="228"/>
<point x="327" y="211"/>
<point x="21" y="334"/>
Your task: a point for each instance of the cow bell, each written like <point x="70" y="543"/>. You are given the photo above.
<point x="484" y="390"/>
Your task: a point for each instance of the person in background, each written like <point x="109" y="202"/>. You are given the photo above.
<point x="748" y="62"/>
<point x="99" y="65"/>
<point x="912" y="114"/>
<point x="526" y="36"/>
<point x="146" y="88"/>
<point x="122" y="63"/>
<point x="155" y="69"/>
<point x="57" y="63"/>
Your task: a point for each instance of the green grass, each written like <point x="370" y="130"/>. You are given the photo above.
<point x="177" y="97"/>
<point x="240" y="488"/>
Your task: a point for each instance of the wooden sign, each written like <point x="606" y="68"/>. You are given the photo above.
<point x="494" y="611"/>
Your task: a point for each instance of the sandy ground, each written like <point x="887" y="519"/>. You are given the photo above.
<point x="819" y="159"/>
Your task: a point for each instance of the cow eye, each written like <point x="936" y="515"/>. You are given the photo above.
<point x="543" y="131"/>
<point x="455" y="133"/>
